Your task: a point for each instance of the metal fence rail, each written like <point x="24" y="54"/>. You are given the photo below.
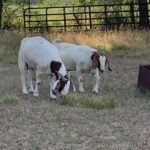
<point x="76" y="18"/>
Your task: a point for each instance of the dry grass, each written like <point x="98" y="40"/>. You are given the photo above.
<point x="122" y="42"/>
<point x="9" y="46"/>
<point x="37" y="123"/>
<point x="130" y="43"/>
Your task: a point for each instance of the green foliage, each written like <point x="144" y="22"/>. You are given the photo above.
<point x="83" y="2"/>
<point x="13" y="10"/>
<point x="17" y="2"/>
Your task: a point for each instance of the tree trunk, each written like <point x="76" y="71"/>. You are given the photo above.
<point x="143" y="13"/>
<point x="1" y="8"/>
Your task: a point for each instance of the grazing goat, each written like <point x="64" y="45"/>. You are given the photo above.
<point x="82" y="59"/>
<point x="36" y="53"/>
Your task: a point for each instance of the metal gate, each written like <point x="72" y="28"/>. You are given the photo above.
<point x="77" y="18"/>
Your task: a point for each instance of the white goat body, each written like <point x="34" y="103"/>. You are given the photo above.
<point x="82" y="59"/>
<point x="76" y="56"/>
<point x="36" y="53"/>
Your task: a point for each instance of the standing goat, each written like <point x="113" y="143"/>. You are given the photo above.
<point x="82" y="59"/>
<point x="36" y="53"/>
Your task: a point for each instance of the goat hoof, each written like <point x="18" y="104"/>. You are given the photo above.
<point x="82" y="91"/>
<point x="74" y="90"/>
<point x="24" y="92"/>
<point x="35" y="94"/>
<point x="95" y="92"/>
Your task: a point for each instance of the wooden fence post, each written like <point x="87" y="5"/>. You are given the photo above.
<point x="132" y="15"/>
<point x="85" y="17"/>
<point x="106" y="21"/>
<point x="90" y="17"/>
<point x="29" y="15"/>
<point x="24" y="19"/>
<point x="1" y="8"/>
<point x="46" y="19"/>
<point x="143" y="14"/>
<point x="65" y="25"/>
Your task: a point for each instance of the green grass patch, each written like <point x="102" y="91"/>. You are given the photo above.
<point x="55" y="120"/>
<point x="122" y="49"/>
<point x="145" y="92"/>
<point x="129" y="50"/>
<point x="145" y="106"/>
<point x="107" y="102"/>
<point x="9" y="100"/>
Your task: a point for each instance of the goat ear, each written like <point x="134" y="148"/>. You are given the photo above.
<point x="55" y="66"/>
<point x="95" y="59"/>
<point x="108" y="64"/>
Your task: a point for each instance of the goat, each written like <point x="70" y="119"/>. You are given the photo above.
<point x="82" y="59"/>
<point x="36" y="53"/>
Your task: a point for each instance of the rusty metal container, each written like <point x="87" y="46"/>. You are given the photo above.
<point x="144" y="77"/>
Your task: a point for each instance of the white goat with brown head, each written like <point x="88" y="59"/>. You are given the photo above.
<point x="36" y="53"/>
<point x="82" y="59"/>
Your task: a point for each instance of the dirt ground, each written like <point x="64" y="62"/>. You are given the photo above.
<point x="40" y="124"/>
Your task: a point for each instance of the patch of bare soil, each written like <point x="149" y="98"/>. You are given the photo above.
<point x="40" y="124"/>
